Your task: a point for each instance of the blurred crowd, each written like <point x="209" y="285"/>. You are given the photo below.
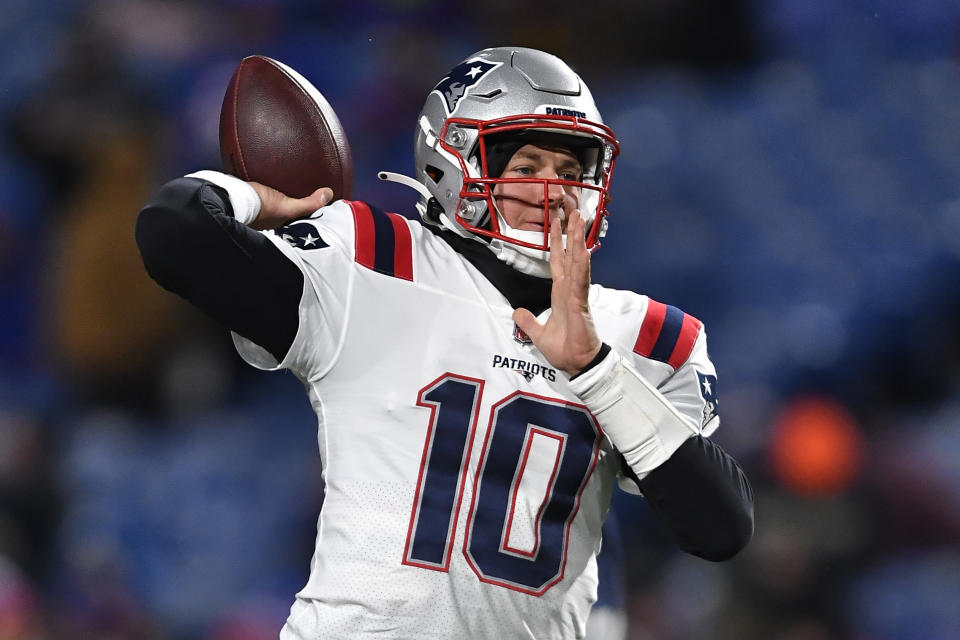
<point x="790" y="175"/>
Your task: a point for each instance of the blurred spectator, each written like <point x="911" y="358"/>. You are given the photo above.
<point x="29" y="501"/>
<point x="20" y="618"/>
<point x="96" y="142"/>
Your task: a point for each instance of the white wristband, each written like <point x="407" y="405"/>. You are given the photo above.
<point x="243" y="199"/>
<point x="637" y="419"/>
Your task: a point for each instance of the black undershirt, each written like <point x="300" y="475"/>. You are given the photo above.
<point x="192" y="246"/>
<point x="520" y="289"/>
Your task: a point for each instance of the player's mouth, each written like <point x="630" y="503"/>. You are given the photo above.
<point x="532" y="212"/>
<point x="538" y="224"/>
<point x="530" y="226"/>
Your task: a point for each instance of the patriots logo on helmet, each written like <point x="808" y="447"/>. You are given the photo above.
<point x="460" y="79"/>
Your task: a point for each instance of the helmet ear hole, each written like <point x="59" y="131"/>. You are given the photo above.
<point x="435" y="174"/>
<point x="433" y="211"/>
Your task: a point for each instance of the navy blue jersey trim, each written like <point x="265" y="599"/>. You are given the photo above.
<point x="384" y="244"/>
<point x="669" y="334"/>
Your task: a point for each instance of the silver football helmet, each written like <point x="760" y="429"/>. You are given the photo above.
<point x="481" y="112"/>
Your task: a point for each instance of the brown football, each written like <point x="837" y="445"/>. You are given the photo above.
<point x="278" y="130"/>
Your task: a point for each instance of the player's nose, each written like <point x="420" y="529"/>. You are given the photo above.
<point x="552" y="194"/>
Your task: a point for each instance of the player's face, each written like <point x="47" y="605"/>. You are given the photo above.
<point x="522" y="204"/>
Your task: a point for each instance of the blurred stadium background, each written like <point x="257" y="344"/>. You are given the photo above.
<point x="790" y="175"/>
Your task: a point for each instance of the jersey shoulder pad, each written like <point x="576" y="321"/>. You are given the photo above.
<point x="666" y="334"/>
<point x="332" y="224"/>
<point x="382" y="241"/>
<point x="369" y="236"/>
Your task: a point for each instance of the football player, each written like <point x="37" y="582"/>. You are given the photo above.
<point x="477" y="398"/>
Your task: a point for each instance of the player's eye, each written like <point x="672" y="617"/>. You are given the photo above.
<point x="570" y="175"/>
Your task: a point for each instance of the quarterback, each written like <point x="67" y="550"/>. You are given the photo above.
<point x="478" y="400"/>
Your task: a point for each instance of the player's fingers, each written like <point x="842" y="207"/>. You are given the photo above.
<point x="584" y="252"/>
<point x="579" y="241"/>
<point x="528" y="323"/>
<point x="581" y="256"/>
<point x="567" y="204"/>
<point x="574" y="241"/>
<point x="556" y="250"/>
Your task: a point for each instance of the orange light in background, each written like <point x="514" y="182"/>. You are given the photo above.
<point x="816" y="447"/>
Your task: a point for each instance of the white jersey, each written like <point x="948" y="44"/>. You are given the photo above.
<point x="466" y="485"/>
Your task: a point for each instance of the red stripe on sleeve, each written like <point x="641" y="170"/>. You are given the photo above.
<point x="364" y="234"/>
<point x="402" y="248"/>
<point x="688" y="335"/>
<point x="650" y="329"/>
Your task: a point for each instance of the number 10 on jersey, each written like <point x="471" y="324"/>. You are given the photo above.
<point x="516" y="422"/>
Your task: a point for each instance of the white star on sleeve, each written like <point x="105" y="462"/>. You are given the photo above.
<point x="309" y="239"/>
<point x="706" y="386"/>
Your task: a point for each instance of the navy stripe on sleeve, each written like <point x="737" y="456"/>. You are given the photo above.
<point x="384" y="244"/>
<point x="669" y="334"/>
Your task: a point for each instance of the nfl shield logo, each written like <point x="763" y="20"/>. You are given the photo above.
<point x="520" y="336"/>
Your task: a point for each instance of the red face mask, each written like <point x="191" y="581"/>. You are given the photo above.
<point x="496" y="140"/>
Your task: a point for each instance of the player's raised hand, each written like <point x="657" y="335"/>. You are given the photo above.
<point x="277" y="209"/>
<point x="568" y="340"/>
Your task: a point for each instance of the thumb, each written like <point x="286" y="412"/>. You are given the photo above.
<point x="316" y="200"/>
<point x="528" y="323"/>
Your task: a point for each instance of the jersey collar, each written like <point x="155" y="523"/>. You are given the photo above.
<point x="520" y="289"/>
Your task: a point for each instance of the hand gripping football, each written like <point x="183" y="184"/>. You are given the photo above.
<point x="278" y="130"/>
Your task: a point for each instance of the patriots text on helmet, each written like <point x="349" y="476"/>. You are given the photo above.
<point x="562" y="111"/>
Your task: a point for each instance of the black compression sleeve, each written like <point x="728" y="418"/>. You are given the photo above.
<point x="191" y="245"/>
<point x="704" y="498"/>
<point x="597" y="359"/>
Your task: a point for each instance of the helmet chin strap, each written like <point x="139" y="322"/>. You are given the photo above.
<point x="520" y="258"/>
<point x="425" y="196"/>
<point x="407" y="181"/>
<point x="534" y="262"/>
